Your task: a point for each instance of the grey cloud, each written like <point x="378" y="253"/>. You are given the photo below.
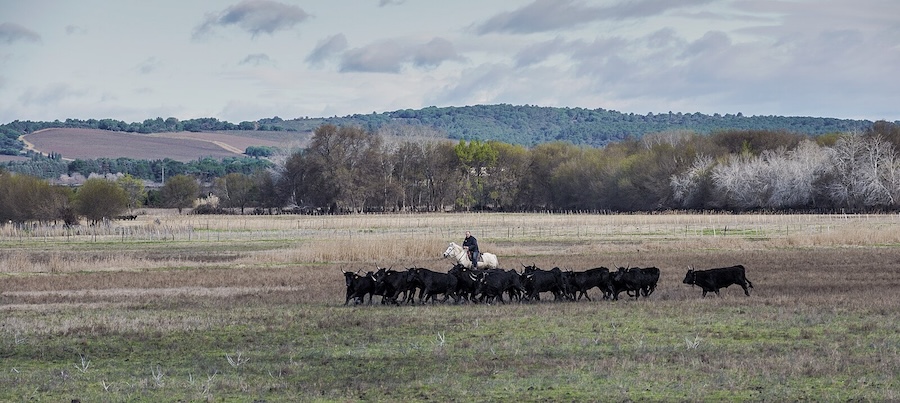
<point x="542" y="15"/>
<point x="390" y="56"/>
<point x="256" y="59"/>
<point x="12" y="32"/>
<point x="433" y="53"/>
<point x="646" y="8"/>
<point x="50" y="95"/>
<point x="327" y="48"/>
<point x="713" y="41"/>
<point x="74" y="29"/>
<point x="663" y="38"/>
<point x="255" y="17"/>
<point x="382" y="3"/>
<point x="548" y="15"/>
<point x="149" y="65"/>
<point x="475" y="86"/>
<point x="601" y="49"/>
<point x="540" y="51"/>
<point x="381" y="57"/>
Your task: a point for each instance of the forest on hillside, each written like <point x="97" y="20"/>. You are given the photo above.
<point x="532" y="125"/>
<point x="514" y="124"/>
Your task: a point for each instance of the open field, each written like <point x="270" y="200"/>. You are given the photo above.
<point x="182" y="146"/>
<point x="242" y="308"/>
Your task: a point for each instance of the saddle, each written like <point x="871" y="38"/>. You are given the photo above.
<point x="480" y="257"/>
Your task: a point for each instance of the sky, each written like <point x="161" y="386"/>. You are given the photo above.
<point x="244" y="60"/>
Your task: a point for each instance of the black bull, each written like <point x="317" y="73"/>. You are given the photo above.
<point x="432" y="283"/>
<point x="641" y="281"/>
<point x="358" y="286"/>
<point x="714" y="279"/>
<point x="493" y="283"/>
<point x="582" y="281"/>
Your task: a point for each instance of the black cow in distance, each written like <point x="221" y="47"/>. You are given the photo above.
<point x="714" y="279"/>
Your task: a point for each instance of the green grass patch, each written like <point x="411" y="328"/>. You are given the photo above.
<point x="546" y="351"/>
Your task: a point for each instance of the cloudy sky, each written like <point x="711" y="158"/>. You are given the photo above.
<point x="242" y="60"/>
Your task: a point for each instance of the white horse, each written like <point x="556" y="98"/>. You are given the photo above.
<point x="487" y="261"/>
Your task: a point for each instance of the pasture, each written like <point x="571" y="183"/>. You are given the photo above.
<point x="243" y="308"/>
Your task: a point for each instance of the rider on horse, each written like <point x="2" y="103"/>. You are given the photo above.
<point x="471" y="245"/>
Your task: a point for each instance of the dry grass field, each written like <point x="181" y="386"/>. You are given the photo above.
<point x="242" y="308"/>
<point x="183" y="146"/>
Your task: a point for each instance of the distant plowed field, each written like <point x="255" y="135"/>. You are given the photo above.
<point x="182" y="146"/>
<point x="6" y="158"/>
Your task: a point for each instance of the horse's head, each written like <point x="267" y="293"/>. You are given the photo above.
<point x="450" y="250"/>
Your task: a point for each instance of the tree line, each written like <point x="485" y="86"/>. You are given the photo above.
<point x="735" y="170"/>
<point x="347" y="169"/>
<point x="75" y="171"/>
<point x="525" y="125"/>
<point x="530" y="125"/>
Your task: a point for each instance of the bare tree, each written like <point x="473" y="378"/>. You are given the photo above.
<point x="236" y="189"/>
<point x="691" y="188"/>
<point x="343" y="164"/>
<point x="795" y="175"/>
<point x="865" y="172"/>
<point x="669" y="137"/>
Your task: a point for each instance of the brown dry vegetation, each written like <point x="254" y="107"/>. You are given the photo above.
<point x="90" y="144"/>
<point x="822" y="323"/>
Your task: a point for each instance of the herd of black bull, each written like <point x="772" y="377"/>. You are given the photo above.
<point x="486" y="286"/>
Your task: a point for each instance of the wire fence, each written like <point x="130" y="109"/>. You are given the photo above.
<point x="498" y="227"/>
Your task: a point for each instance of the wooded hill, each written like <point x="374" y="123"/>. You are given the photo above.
<point x="514" y="124"/>
<point x="531" y="125"/>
